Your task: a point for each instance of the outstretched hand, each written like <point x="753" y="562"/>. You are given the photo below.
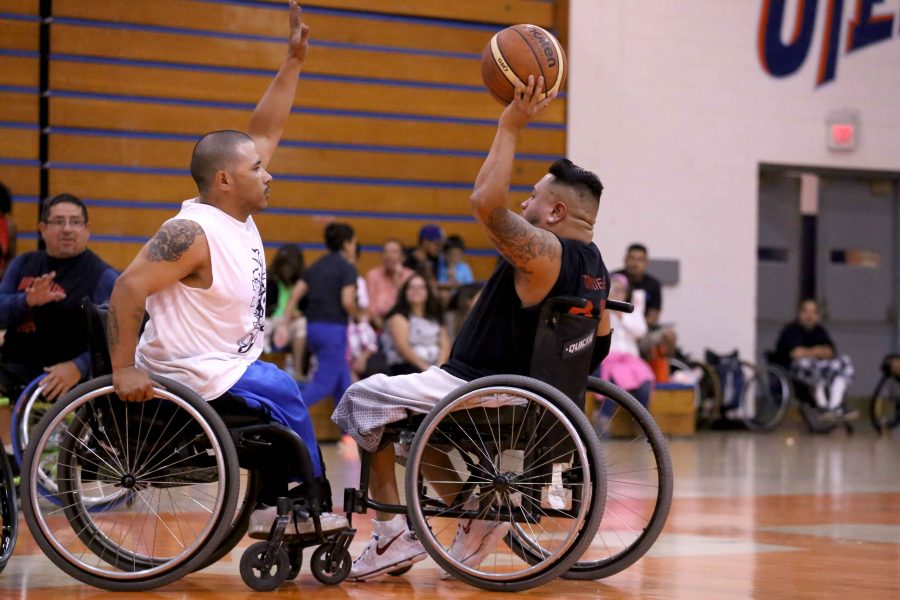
<point x="526" y="104"/>
<point x="43" y="290"/>
<point x="298" y="43"/>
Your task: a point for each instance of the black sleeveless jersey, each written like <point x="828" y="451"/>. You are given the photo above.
<point x="498" y="335"/>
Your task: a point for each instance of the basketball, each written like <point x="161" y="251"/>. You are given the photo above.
<point x="517" y="52"/>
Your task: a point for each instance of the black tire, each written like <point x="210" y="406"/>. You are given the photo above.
<point x="241" y="520"/>
<point x="646" y="467"/>
<point x="88" y="418"/>
<point x="766" y="397"/>
<point x="9" y="513"/>
<point x="566" y="434"/>
<point x="296" y="557"/>
<point x="327" y="568"/>
<point x="256" y="575"/>
<point x="884" y="408"/>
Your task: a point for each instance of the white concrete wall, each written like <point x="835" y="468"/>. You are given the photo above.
<point x="669" y="104"/>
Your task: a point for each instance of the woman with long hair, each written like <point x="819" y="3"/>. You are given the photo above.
<point x="415" y="336"/>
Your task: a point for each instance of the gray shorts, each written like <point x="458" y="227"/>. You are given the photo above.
<point x="370" y="404"/>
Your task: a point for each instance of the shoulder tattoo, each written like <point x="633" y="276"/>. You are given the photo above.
<point x="172" y="240"/>
<point x="519" y="242"/>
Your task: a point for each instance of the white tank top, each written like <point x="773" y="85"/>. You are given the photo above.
<point x="206" y="339"/>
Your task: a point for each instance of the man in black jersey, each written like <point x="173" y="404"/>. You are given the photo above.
<point x="548" y="251"/>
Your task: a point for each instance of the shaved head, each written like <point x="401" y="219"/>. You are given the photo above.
<point x="215" y="152"/>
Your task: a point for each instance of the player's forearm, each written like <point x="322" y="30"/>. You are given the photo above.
<point x="271" y="113"/>
<point x="126" y="312"/>
<point x="492" y="184"/>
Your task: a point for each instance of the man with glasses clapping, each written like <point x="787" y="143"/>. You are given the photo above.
<point x="40" y="298"/>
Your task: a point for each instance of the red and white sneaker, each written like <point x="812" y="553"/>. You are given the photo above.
<point x="386" y="553"/>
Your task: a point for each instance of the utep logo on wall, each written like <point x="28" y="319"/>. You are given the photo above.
<point x="780" y="58"/>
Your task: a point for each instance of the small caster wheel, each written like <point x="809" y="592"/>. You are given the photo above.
<point x="400" y="571"/>
<point x="330" y="567"/>
<point x="257" y="575"/>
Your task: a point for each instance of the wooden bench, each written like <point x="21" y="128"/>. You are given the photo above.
<point x="671" y="405"/>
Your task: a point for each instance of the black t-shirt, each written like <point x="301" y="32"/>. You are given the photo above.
<point x="794" y="335"/>
<point x="325" y="278"/>
<point x="650" y="285"/>
<point x="498" y="335"/>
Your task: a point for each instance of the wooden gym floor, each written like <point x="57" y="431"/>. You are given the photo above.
<point x="785" y="515"/>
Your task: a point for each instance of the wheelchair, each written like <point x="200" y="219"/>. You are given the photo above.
<point x="9" y="513"/>
<point x="884" y="407"/>
<point x="770" y="394"/>
<point x="145" y="493"/>
<point x="526" y="451"/>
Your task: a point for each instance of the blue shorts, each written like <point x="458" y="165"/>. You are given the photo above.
<point x="265" y="386"/>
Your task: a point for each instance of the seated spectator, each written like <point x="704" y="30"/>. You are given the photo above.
<point x="424" y="258"/>
<point x="383" y="282"/>
<point x="285" y="334"/>
<point x="638" y="279"/>
<point x="40" y="302"/>
<point x="8" y="229"/>
<point x="362" y="341"/>
<point x="805" y="346"/>
<point x="624" y="365"/>
<point x="415" y="337"/>
<point x="453" y="270"/>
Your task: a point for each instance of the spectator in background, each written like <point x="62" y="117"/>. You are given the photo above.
<point x="638" y="279"/>
<point x="362" y="341"/>
<point x="383" y="282"/>
<point x="806" y="348"/>
<point x="624" y="365"/>
<point x="285" y="334"/>
<point x="415" y="337"/>
<point x="329" y="286"/>
<point x="424" y="258"/>
<point x="8" y="229"/>
<point x="453" y="270"/>
<point x="40" y="302"/>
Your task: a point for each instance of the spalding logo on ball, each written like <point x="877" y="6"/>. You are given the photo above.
<point x="517" y="52"/>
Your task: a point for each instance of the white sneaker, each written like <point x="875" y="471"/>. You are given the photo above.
<point x="262" y="518"/>
<point x="385" y="554"/>
<point x="474" y="540"/>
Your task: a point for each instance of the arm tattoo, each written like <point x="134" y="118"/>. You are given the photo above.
<point x="112" y="329"/>
<point x="172" y="240"/>
<point x="519" y="242"/>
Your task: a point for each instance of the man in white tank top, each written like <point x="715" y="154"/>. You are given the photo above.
<point x="202" y="280"/>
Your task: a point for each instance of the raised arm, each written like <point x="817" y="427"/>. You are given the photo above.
<point x="268" y="118"/>
<point x="178" y="252"/>
<point x="535" y="253"/>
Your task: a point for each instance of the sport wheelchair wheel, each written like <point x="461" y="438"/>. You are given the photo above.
<point x="766" y="396"/>
<point x="639" y="484"/>
<point x="9" y="514"/>
<point x="529" y="459"/>
<point x="172" y="467"/>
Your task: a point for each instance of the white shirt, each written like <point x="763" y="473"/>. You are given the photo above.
<point x="206" y="338"/>
<point x="628" y="328"/>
